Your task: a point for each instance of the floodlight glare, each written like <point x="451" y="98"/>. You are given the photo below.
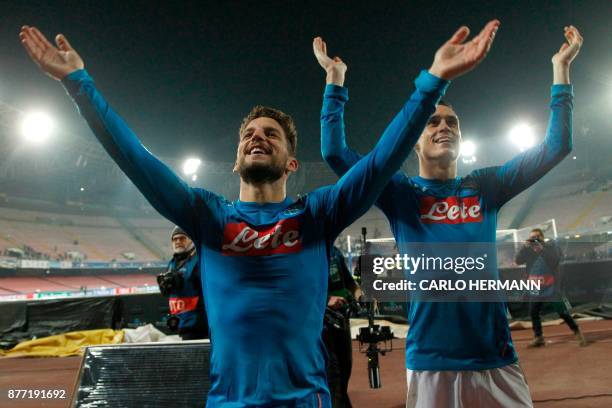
<point x="467" y="148"/>
<point x="523" y="136"/>
<point x="467" y="151"/>
<point x="190" y="166"/>
<point x="36" y="127"/>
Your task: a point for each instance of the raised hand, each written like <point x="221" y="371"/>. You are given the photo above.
<point x="569" y="49"/>
<point x="334" y="67"/>
<point x="563" y="58"/>
<point x="57" y="62"/>
<point x="457" y="57"/>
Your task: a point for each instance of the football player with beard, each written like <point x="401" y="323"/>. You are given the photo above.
<point x="263" y="257"/>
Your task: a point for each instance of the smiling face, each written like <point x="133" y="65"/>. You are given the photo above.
<point x="441" y="137"/>
<point x="264" y="154"/>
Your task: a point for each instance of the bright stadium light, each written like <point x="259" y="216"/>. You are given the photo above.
<point x="467" y="151"/>
<point x="36" y="127"/>
<point x="468" y="148"/>
<point x="190" y="166"/>
<point x="523" y="136"/>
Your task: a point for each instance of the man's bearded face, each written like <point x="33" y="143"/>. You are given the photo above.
<point x="181" y="243"/>
<point x="262" y="155"/>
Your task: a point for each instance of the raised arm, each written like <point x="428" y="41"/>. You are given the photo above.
<point x="333" y="139"/>
<point x="334" y="149"/>
<point x="528" y="167"/>
<point x="359" y="187"/>
<point x="168" y="194"/>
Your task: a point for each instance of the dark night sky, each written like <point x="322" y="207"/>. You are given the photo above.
<point x="183" y="75"/>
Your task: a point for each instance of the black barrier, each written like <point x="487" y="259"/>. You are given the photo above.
<point x="13" y="318"/>
<point x="49" y="317"/>
<point x="24" y="320"/>
<point x="137" y="310"/>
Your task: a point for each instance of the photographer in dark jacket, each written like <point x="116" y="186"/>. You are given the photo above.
<point x="181" y="282"/>
<point x="341" y="294"/>
<point x="542" y="261"/>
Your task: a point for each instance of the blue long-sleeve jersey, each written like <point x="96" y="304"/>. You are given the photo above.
<point x="458" y="336"/>
<point x="264" y="267"/>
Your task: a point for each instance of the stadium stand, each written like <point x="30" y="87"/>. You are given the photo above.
<point x="61" y="237"/>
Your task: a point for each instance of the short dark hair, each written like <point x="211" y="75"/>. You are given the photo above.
<point x="281" y="117"/>
<point x="445" y="103"/>
<point x="538" y="230"/>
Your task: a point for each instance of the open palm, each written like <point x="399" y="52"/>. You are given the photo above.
<point x="457" y="57"/>
<point x="328" y="64"/>
<point x="57" y="62"/>
<point x="569" y="49"/>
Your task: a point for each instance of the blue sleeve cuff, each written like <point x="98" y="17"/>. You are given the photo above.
<point x="73" y="80"/>
<point x="336" y="91"/>
<point x="429" y="83"/>
<point x="561" y="89"/>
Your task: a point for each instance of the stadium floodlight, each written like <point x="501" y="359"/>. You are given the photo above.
<point x="190" y="166"/>
<point x="467" y="151"/>
<point x="36" y="127"/>
<point x="194" y="177"/>
<point x="523" y="136"/>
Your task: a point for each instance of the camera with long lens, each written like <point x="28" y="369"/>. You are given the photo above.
<point x="338" y="318"/>
<point x="170" y="282"/>
<point x="535" y="240"/>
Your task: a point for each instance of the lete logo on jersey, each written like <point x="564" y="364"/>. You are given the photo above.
<point x="450" y="210"/>
<point x="240" y="239"/>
